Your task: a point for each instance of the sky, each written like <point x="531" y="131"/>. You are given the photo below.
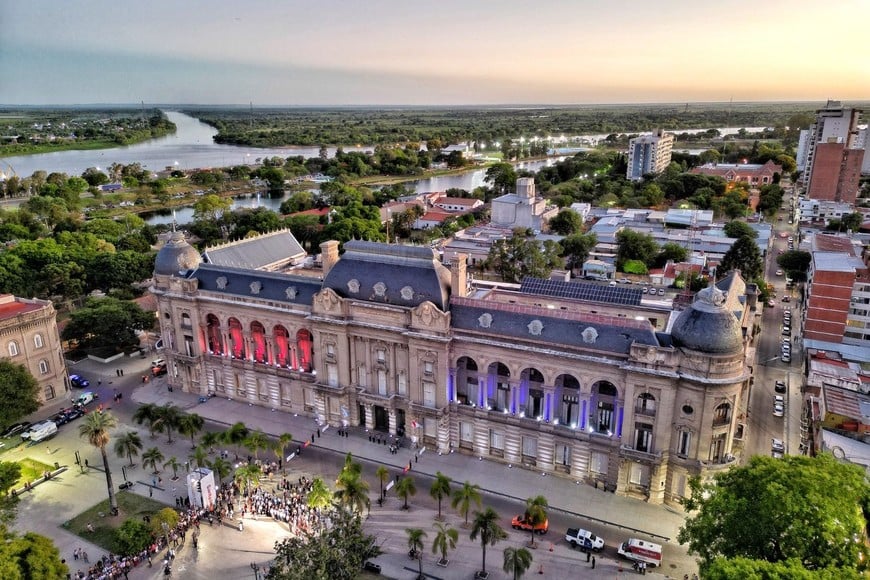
<point x="449" y="52"/>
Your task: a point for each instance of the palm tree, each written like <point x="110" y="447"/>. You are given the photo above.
<point x="320" y="496"/>
<point x="440" y="489"/>
<point x="248" y="474"/>
<point x="445" y="540"/>
<point x="406" y="488"/>
<point x="129" y="444"/>
<point x="222" y="468"/>
<point x="517" y="561"/>
<point x="209" y="439"/>
<point x="255" y="441"/>
<point x="383" y="475"/>
<point x="235" y="435"/>
<point x="415" y="544"/>
<point x="486" y="526"/>
<point x="199" y="457"/>
<point x="190" y="424"/>
<point x="536" y="514"/>
<point x="174" y="464"/>
<point x="353" y="492"/>
<point x="168" y="417"/>
<point x="280" y="445"/>
<point x="147" y="413"/>
<point x="152" y="457"/>
<point x="351" y="468"/>
<point x="463" y="498"/>
<point x="95" y="429"/>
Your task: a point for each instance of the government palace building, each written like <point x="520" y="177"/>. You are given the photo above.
<point x="601" y="384"/>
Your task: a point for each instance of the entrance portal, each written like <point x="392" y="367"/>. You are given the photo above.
<point x="382" y="419"/>
<point x="400" y="422"/>
<point x="362" y="415"/>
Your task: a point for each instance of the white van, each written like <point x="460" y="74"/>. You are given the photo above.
<point x="41" y="431"/>
<point x="84" y="398"/>
<point x="641" y="551"/>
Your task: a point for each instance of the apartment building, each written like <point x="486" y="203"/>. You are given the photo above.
<point x="649" y="154"/>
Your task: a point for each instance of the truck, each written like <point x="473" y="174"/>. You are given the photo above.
<point x="520" y="523"/>
<point x="641" y="551"/>
<point x="585" y="539"/>
<point x="41" y="431"/>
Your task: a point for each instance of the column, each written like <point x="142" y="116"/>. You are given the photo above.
<point x="392" y="422"/>
<point x="481" y="390"/>
<point x="270" y="359"/>
<point x="451" y="385"/>
<point x="370" y="417"/>
<point x="225" y="343"/>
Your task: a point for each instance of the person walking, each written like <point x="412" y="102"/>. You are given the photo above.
<point x="593" y="562"/>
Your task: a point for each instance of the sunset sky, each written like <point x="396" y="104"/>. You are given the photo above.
<point x="331" y="52"/>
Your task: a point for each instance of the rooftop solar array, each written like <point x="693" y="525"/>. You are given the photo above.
<point x="624" y="295"/>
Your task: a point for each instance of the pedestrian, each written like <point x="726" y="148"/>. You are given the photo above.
<point x="588" y="556"/>
<point x="85" y="557"/>
<point x="593" y="562"/>
<point x="48" y="449"/>
<point x="150" y="492"/>
<point x="144" y="379"/>
<point x="75" y="554"/>
<point x="122" y="372"/>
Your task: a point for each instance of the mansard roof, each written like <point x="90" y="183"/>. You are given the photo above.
<point x="559" y="327"/>
<point x="257" y="285"/>
<point x="264" y="252"/>
<point x="390" y="274"/>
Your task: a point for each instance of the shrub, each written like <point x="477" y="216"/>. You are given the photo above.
<point x="634" y="267"/>
<point x="132" y="537"/>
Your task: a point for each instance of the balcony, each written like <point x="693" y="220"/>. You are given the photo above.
<point x="632" y="453"/>
<point x="645" y="411"/>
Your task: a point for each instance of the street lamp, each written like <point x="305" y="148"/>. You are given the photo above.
<point x="165" y="527"/>
<point x="256" y="570"/>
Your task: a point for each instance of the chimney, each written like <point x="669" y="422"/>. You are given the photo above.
<point x="458" y="277"/>
<point x="328" y="255"/>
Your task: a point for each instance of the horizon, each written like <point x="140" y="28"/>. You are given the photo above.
<point x="455" y="53"/>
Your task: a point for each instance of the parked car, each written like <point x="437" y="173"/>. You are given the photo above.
<point x="661" y="291"/>
<point x="785" y="357"/>
<point x="779" y="272"/>
<point x="520" y="523"/>
<point x="41" y="431"/>
<point x="624" y="281"/>
<point x="584" y="538"/>
<point x="776" y="445"/>
<point x="158" y="367"/>
<point x="786" y="299"/>
<point x="15" y="429"/>
<point x="79" y="382"/>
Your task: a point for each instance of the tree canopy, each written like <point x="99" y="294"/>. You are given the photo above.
<point x="743" y="255"/>
<point x="739" y="229"/>
<point x="807" y="509"/>
<point x="19" y="392"/>
<point x="107" y="322"/>
<point x="632" y="245"/>
<point x="522" y="255"/>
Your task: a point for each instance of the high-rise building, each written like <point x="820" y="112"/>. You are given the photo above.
<point x="649" y="154"/>
<point x="835" y="154"/>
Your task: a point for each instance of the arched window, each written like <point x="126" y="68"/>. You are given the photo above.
<point x="258" y="341"/>
<point x="237" y="338"/>
<point x="569" y="411"/>
<point x="532" y="393"/>
<point x="13" y="348"/>
<point x="185" y="320"/>
<point x="605" y="397"/>
<point x="722" y="414"/>
<point x="213" y="331"/>
<point x="43" y="367"/>
<point x="645" y="405"/>
<point x="466" y="381"/>
<point x="498" y="386"/>
<point x="282" y="346"/>
<point x="37" y="340"/>
<point x="304" y="350"/>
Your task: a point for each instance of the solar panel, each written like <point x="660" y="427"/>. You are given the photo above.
<point x="622" y="295"/>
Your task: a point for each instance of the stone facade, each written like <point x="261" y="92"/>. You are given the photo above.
<point x="29" y="337"/>
<point x="535" y="381"/>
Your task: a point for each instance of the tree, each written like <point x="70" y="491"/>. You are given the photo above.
<point x="353" y="491"/>
<point x="502" y="176"/>
<point x="795" y="262"/>
<point x="405" y="488"/>
<point x="10" y="472"/>
<point x="567" y="222"/>
<point x="209" y="440"/>
<point x="211" y="207"/>
<point x="235" y="435"/>
<point x="222" y="468"/>
<point x="743" y="255"/>
<point x="632" y="245"/>
<point x="19" y="392"/>
<point x="797" y="507"/>
<point x="516" y="562"/>
<point x="153" y="457"/>
<point x="738" y="229"/>
<point x="107" y="322"/>
<point x="248" y="475"/>
<point x="445" y="540"/>
<point x="255" y="441"/>
<point x="415" y="545"/>
<point x="521" y="256"/>
<point x="199" y="457"/>
<point x="30" y="556"/>
<point x="485" y="526"/>
<point x="576" y="248"/>
<point x="280" y="445"/>
<point x="168" y="417"/>
<point x="132" y="537"/>
<point x="536" y="514"/>
<point x="320" y="496"/>
<point x="147" y="413"/>
<point x="337" y="553"/>
<point x="464" y="496"/>
<point x="673" y="252"/>
<point x="128" y="445"/>
<point x="190" y="424"/>
<point x="740" y="568"/>
<point x="166" y="516"/>
<point x="440" y="489"/>
<point x="383" y="475"/>
<point x="95" y="428"/>
<point x="174" y="464"/>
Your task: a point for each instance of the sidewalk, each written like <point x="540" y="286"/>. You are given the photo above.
<point x="565" y="495"/>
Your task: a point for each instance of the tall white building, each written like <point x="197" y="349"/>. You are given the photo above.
<point x="649" y="154"/>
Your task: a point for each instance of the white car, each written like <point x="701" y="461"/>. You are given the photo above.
<point x="778" y="410"/>
<point x="786" y="357"/>
<point x="776" y="445"/>
<point x="779" y="272"/>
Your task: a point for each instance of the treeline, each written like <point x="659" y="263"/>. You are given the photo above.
<point x="35" y="131"/>
<point x="272" y="127"/>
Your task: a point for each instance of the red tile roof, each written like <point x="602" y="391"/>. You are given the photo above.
<point x="14" y="308"/>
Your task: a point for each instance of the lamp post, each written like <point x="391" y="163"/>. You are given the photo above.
<point x="256" y="570"/>
<point x="165" y="527"/>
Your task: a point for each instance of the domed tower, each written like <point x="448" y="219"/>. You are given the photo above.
<point x="713" y="378"/>
<point x="176" y="256"/>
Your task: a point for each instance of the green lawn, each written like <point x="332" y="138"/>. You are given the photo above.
<point x="130" y="505"/>
<point x="31" y="469"/>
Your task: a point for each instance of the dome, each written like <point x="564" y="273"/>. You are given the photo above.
<point x="708" y="326"/>
<point x="176" y="256"/>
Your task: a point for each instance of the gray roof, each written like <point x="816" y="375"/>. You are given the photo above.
<point x="708" y="326"/>
<point x="390" y="274"/>
<point x="255" y="284"/>
<point x="176" y="256"/>
<point x="262" y="252"/>
<point x="582" y="291"/>
<point x="558" y="327"/>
